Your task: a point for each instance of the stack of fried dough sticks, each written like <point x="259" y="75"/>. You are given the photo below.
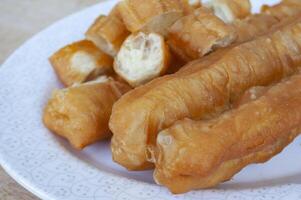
<point x="176" y="83"/>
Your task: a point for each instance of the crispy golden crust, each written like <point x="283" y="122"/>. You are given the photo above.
<point x="81" y="113"/>
<point x="108" y="33"/>
<point x="254" y="25"/>
<point x="200" y="93"/>
<point x="199" y="33"/>
<point x="80" y="61"/>
<point x="287" y="8"/>
<point x="186" y="38"/>
<point x="250" y="95"/>
<point x="201" y="154"/>
<point x="176" y="63"/>
<point x="150" y="16"/>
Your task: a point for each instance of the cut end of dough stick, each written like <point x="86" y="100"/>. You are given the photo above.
<point x="142" y="58"/>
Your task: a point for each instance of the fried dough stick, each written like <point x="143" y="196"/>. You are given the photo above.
<point x="198" y="34"/>
<point x="151" y="15"/>
<point x="81" y="113"/>
<point x="199" y="94"/>
<point x="253" y="26"/>
<point x="108" y="32"/>
<point x="80" y="62"/>
<point x="201" y="154"/>
<point x="195" y="35"/>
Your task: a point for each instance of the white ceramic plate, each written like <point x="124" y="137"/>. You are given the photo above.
<point x="48" y="167"/>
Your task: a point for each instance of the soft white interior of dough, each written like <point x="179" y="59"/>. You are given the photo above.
<point x="83" y="62"/>
<point x="100" y="79"/>
<point x="221" y="10"/>
<point x="141" y="56"/>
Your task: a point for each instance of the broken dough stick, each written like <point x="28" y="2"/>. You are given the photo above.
<point x="142" y="58"/>
<point x="201" y="93"/>
<point x="229" y="10"/>
<point x="108" y="32"/>
<point x="81" y="113"/>
<point x="79" y="62"/>
<point x="201" y="154"/>
<point x="195" y="35"/>
<point x="151" y="15"/>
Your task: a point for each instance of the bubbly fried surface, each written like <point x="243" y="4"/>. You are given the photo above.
<point x="201" y="154"/>
<point x="81" y="113"/>
<point x="201" y="92"/>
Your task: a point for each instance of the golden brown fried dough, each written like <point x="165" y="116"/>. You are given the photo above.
<point x="250" y="95"/>
<point x="246" y="29"/>
<point x="81" y="113"/>
<point x="151" y="15"/>
<point x="229" y="10"/>
<point x="201" y="154"/>
<point x="253" y="26"/>
<point x="287" y="8"/>
<point x="80" y="61"/>
<point x="198" y="34"/>
<point x="200" y="93"/>
<point x="108" y="32"/>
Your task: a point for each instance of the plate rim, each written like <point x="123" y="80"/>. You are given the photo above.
<point x="7" y="166"/>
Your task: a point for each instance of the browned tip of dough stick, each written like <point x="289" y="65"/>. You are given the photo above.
<point x="81" y="113"/>
<point x="286" y="8"/>
<point x="151" y="15"/>
<point x="201" y="154"/>
<point x="80" y="61"/>
<point x="197" y="34"/>
<point x="142" y="57"/>
<point x="229" y="10"/>
<point x="108" y="33"/>
<point x="200" y="92"/>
